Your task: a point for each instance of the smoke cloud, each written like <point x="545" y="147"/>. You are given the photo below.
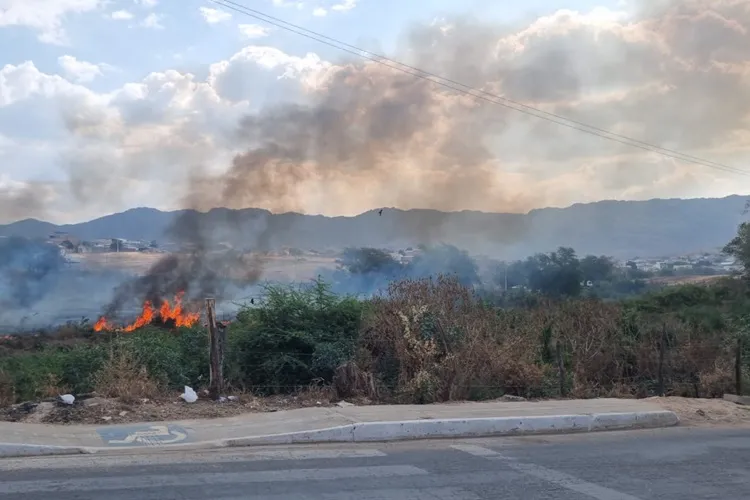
<point x="368" y="135"/>
<point x="343" y="137"/>
<point x="26" y="269"/>
<point x="354" y="135"/>
<point x="39" y="287"/>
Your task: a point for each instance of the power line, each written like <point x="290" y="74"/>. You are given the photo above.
<point x="476" y="93"/>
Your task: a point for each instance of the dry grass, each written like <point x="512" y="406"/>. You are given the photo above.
<point x="124" y="378"/>
<point x="7" y="391"/>
<point x="442" y="344"/>
<point x="282" y="268"/>
<point x="135" y="262"/>
<point x="685" y="280"/>
<point x="317" y="393"/>
<point x="428" y="341"/>
<point x="350" y="381"/>
<point x="53" y="387"/>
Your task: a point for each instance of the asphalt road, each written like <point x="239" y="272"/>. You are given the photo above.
<point x="678" y="464"/>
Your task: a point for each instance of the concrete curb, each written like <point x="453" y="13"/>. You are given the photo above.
<point x="397" y="431"/>
<point x="466" y="428"/>
<point x="11" y="450"/>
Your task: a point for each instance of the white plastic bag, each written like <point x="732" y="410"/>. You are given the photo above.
<point x="68" y="399"/>
<point x="189" y="395"/>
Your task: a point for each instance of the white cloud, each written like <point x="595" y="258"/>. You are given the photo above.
<point x="293" y="73"/>
<point x="320" y="12"/>
<point x="81" y="71"/>
<point x="147" y="3"/>
<point x="625" y="75"/>
<point x="254" y="30"/>
<point x="121" y="15"/>
<point x="153" y="21"/>
<point x="345" y="5"/>
<point x="19" y="82"/>
<point x="214" y="16"/>
<point x="44" y="16"/>
<point x="289" y="3"/>
<point x="146" y="132"/>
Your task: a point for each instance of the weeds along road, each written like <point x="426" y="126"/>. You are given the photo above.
<point x="665" y="464"/>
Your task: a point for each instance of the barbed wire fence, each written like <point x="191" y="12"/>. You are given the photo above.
<point x="670" y="372"/>
<point x="560" y="380"/>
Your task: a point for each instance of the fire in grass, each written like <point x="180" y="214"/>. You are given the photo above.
<point x="166" y="314"/>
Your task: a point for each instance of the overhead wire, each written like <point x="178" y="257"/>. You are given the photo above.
<point x="474" y="92"/>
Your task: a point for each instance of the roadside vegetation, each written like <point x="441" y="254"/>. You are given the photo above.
<point x="424" y="339"/>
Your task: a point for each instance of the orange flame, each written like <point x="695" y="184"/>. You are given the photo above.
<point x="166" y="312"/>
<point x="146" y="317"/>
<point x="102" y="325"/>
<point x="176" y="313"/>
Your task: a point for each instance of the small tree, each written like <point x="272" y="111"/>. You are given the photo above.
<point x="739" y="247"/>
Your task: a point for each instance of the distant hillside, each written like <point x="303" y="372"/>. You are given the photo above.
<point x="617" y="228"/>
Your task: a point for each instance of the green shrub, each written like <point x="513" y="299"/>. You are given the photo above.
<point x="32" y="374"/>
<point x="174" y="358"/>
<point x="298" y="335"/>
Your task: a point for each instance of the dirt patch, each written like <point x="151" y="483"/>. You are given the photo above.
<point x="275" y="267"/>
<point x="102" y="411"/>
<point x="705" y="412"/>
<point x="686" y="280"/>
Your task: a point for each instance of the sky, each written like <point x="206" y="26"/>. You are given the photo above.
<point x="107" y="105"/>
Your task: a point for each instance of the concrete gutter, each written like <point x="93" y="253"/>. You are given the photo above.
<point x="399" y="431"/>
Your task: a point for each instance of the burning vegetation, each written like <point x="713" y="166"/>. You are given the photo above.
<point x="166" y="314"/>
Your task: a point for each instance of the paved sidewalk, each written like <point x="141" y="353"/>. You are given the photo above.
<point x="252" y="427"/>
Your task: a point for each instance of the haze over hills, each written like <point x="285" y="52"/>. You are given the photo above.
<point x="617" y="228"/>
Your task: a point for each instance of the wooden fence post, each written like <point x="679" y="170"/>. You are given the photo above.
<point x="738" y="368"/>
<point x="560" y="367"/>
<point x="216" y="351"/>
<point x="662" y="350"/>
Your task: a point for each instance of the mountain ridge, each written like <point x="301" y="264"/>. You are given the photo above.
<point x="611" y="227"/>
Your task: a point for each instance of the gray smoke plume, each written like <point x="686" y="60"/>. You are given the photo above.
<point x="25" y="201"/>
<point x="201" y="269"/>
<point x="39" y="287"/>
<point x="674" y="73"/>
<point x="27" y="269"/>
<point x="368" y="132"/>
<point x="362" y="135"/>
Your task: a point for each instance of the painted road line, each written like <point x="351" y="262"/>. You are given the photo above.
<point x="558" y="478"/>
<point x="182" y="458"/>
<point x="380" y="494"/>
<point x="479" y="451"/>
<point x="202" y="479"/>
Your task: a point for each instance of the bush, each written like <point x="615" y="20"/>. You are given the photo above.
<point x="424" y="340"/>
<point x="298" y="335"/>
<point x="123" y="377"/>
<point x="173" y="358"/>
<point x="434" y="341"/>
<point x="31" y="374"/>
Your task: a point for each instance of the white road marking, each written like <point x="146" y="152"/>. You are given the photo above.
<point x="479" y="451"/>
<point x="380" y="494"/>
<point x="203" y="479"/>
<point x="181" y="458"/>
<point x="561" y="479"/>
